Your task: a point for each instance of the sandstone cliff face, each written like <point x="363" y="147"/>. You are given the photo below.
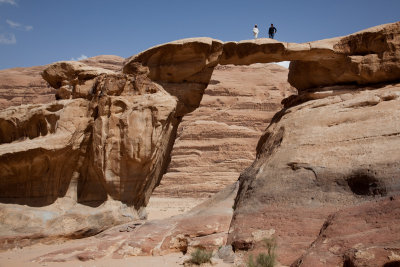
<point x="123" y="128"/>
<point x="331" y="149"/>
<point x="183" y="68"/>
<point x="108" y="138"/>
<point x="26" y="86"/>
<point x="368" y="57"/>
<point x="217" y="141"/>
<point x="317" y="158"/>
<point x="108" y="62"/>
<point x="39" y="143"/>
<point x="363" y="235"/>
<point x="102" y="147"/>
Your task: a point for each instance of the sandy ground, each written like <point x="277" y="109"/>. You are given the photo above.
<point x="158" y="208"/>
<point x="161" y="207"/>
<point x="23" y="257"/>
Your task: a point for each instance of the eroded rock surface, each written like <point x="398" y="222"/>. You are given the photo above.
<point x="363" y="235"/>
<point x="118" y="111"/>
<point x="108" y="62"/>
<point x="370" y="56"/>
<point x="332" y="147"/>
<point x="205" y="226"/>
<point x="266" y="50"/>
<point x="110" y="139"/>
<point x="314" y="159"/>
<point x="39" y="150"/>
<point x="182" y="67"/>
<point x="26" y="86"/>
<point x="89" y="152"/>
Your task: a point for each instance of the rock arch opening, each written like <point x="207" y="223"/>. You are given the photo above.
<point x="218" y="140"/>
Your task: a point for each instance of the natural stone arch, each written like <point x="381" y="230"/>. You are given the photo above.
<point x="116" y="130"/>
<point x="178" y="72"/>
<point x="364" y="57"/>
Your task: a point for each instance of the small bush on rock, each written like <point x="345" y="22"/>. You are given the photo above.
<point x="262" y="259"/>
<point x="200" y="256"/>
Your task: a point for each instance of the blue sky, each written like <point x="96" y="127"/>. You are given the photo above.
<point x="38" y="32"/>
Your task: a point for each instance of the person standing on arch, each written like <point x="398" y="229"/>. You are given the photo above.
<point x="271" y="31"/>
<point x="255" y="31"/>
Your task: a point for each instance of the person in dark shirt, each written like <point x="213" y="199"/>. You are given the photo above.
<point x="272" y="31"/>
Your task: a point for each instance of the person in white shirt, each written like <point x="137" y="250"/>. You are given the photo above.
<point x="255" y="31"/>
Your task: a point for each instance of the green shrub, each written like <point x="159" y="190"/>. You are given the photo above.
<point x="200" y="256"/>
<point x="262" y="259"/>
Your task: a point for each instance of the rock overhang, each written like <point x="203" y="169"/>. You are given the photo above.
<point x="178" y="61"/>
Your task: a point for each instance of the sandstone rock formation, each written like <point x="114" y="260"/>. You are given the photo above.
<point x="244" y="96"/>
<point x="371" y="56"/>
<point x="110" y="137"/>
<point x="332" y="146"/>
<point x="108" y="62"/>
<point x="123" y="104"/>
<point x="183" y="68"/>
<point x="107" y="143"/>
<point x="26" y="85"/>
<point x="314" y="159"/>
<point x="338" y="149"/>
<point x="39" y="143"/>
<point x="217" y="141"/>
<point x="269" y="50"/>
<point x="363" y="235"/>
<point x="367" y="57"/>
